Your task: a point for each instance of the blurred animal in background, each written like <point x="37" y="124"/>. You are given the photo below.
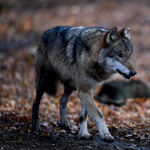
<point x="116" y="92"/>
<point x="81" y="58"/>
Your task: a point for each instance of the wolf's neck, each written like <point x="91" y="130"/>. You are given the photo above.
<point x="98" y="72"/>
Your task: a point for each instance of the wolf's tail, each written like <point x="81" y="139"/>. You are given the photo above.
<point x="45" y="77"/>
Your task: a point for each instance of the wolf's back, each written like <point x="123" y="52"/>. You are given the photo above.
<point x="52" y="35"/>
<point x="61" y="36"/>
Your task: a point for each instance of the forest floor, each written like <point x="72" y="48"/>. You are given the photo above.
<point x="21" y="25"/>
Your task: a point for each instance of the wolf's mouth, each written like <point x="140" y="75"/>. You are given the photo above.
<point x="123" y="74"/>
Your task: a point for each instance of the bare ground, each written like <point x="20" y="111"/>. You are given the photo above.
<point x="14" y="140"/>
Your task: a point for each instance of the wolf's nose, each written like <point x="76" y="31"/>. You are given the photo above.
<point x="132" y="73"/>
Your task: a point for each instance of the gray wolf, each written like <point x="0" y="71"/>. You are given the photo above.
<point x="81" y="58"/>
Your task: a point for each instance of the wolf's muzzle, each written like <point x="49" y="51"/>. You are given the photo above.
<point x="127" y="76"/>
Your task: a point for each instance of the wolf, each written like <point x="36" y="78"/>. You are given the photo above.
<point x="80" y="58"/>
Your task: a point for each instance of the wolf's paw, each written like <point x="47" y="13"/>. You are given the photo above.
<point x="108" y="138"/>
<point x="36" y="127"/>
<point x="85" y="136"/>
<point x="65" y="125"/>
<point x="104" y="132"/>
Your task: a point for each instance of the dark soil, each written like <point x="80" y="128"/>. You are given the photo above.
<point x="12" y="140"/>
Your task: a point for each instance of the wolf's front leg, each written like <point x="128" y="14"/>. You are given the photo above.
<point x="89" y="104"/>
<point x="82" y="130"/>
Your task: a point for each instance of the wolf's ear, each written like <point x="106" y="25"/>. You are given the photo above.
<point x="125" y="33"/>
<point x="111" y="35"/>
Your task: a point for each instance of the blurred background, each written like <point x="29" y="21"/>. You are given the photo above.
<point x="22" y="23"/>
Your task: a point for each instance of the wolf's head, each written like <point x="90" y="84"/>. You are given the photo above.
<point x="116" y="52"/>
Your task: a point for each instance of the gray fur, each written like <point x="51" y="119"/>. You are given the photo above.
<point x="81" y="58"/>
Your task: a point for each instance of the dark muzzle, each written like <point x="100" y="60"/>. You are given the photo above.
<point x="132" y="73"/>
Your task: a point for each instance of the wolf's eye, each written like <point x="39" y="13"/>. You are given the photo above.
<point x="120" y="55"/>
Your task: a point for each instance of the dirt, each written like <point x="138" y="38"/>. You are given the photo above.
<point x="14" y="140"/>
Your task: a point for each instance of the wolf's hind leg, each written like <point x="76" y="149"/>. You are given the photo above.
<point x="35" y="110"/>
<point x="63" y="108"/>
<point x="82" y="130"/>
<point x="41" y="85"/>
